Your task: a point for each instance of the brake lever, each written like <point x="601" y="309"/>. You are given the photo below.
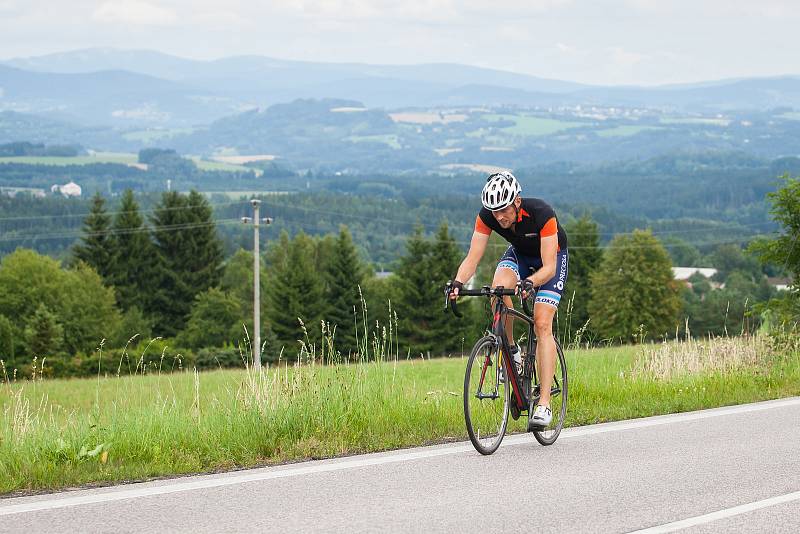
<point x="450" y="303"/>
<point x="525" y="306"/>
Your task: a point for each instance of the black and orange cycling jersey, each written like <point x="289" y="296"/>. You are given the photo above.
<point x="536" y="219"/>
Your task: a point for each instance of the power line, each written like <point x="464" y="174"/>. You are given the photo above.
<point x="308" y="224"/>
<point x="469" y="226"/>
<point x="112" y="213"/>
<point x="370" y="218"/>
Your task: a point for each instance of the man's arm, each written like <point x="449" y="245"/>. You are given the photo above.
<point x="549" y="249"/>
<point x="470" y="264"/>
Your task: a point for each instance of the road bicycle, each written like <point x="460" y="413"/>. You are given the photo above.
<point x="488" y="399"/>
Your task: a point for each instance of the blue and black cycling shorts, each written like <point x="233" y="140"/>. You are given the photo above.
<point x="548" y="293"/>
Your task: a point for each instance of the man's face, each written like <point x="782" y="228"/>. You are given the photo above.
<point x="506" y="216"/>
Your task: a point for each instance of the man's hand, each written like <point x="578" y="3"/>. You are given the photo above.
<point x="526" y="286"/>
<point x="454" y="286"/>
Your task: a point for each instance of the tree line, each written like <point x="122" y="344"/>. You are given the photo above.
<point x="165" y="275"/>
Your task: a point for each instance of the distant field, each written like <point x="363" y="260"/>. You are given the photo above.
<point x="146" y="136"/>
<point x="98" y="157"/>
<point x="241" y="160"/>
<point x="347" y="110"/>
<point x="497" y="149"/>
<point x="121" y="158"/>
<point x="428" y="118"/>
<point x="474" y="167"/>
<point x="625" y="130"/>
<point x="446" y="151"/>
<point x="387" y="139"/>
<point x="206" y="165"/>
<point x="697" y="120"/>
<point x="526" y="125"/>
<point x="792" y="115"/>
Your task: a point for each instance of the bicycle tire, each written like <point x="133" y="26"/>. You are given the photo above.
<point x="482" y="432"/>
<point x="548" y="436"/>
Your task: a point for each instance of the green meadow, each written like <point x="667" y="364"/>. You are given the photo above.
<point x="63" y="433"/>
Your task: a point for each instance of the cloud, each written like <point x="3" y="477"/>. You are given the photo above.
<point x="9" y="7"/>
<point x="566" y="49"/>
<point x="420" y="11"/>
<point x="134" y="12"/>
<point x="625" y="58"/>
<point x="220" y="20"/>
<point x="718" y="8"/>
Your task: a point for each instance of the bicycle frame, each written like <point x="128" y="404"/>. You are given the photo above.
<point x="500" y="314"/>
<point x="525" y="385"/>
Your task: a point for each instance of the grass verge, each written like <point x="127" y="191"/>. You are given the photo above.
<point x="61" y="433"/>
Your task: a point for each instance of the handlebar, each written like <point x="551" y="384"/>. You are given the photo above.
<point x="485" y="291"/>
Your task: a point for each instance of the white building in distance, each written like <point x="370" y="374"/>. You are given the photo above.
<point x="70" y="189"/>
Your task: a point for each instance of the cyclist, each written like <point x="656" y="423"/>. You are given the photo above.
<point x="537" y="257"/>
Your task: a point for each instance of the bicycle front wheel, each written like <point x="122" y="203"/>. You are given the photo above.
<point x="486" y="396"/>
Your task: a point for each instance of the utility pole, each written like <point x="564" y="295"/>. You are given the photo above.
<point x="256" y="281"/>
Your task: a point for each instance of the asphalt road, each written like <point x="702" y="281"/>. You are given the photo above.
<point x="731" y="469"/>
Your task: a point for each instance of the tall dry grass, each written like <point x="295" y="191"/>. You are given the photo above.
<point x="692" y="356"/>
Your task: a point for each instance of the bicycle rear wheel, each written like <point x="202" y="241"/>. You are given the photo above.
<point x="558" y="402"/>
<point x="486" y="397"/>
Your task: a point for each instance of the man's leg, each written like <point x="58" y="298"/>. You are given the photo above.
<point x="545" y="348"/>
<point x="507" y="278"/>
<point x="507" y="275"/>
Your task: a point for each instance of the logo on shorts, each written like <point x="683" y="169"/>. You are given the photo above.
<point x="547" y="300"/>
<point x="562" y="275"/>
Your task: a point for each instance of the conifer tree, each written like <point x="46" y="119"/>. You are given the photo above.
<point x="172" y="297"/>
<point x="344" y="274"/>
<point x="417" y="312"/>
<point x="451" y="333"/>
<point x="96" y="247"/>
<point x="133" y="256"/>
<point x="204" y="265"/>
<point x="188" y="260"/>
<point x="294" y="291"/>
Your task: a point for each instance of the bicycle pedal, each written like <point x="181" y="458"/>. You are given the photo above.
<point x="532" y="427"/>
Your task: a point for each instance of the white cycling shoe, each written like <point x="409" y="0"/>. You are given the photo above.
<point x="542" y="416"/>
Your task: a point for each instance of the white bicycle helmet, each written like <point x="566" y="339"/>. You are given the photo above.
<point x="500" y="191"/>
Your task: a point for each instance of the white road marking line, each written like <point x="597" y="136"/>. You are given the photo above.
<point x="324" y="466"/>
<point x="720" y="514"/>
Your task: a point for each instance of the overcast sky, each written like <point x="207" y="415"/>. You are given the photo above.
<point x="600" y="42"/>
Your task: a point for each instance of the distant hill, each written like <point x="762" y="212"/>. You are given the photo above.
<point x="277" y="73"/>
<point x="141" y="87"/>
<point x="109" y="97"/>
<point x="749" y="94"/>
<point x="27" y="127"/>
